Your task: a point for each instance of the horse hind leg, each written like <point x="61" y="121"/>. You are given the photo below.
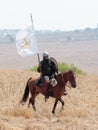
<point x="31" y="101"/>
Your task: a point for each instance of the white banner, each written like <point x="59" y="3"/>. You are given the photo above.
<point x="26" y="42"/>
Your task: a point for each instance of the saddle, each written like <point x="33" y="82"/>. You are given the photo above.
<point x="53" y="83"/>
<point x="39" y="82"/>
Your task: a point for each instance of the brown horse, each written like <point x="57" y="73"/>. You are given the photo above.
<point x="57" y="92"/>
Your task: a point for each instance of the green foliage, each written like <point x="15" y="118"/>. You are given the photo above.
<point x="64" y="67"/>
<point x="34" y="68"/>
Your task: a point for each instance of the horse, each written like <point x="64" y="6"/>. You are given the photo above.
<point x="56" y="92"/>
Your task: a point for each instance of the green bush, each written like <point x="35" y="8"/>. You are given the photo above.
<point x="64" y="67"/>
<point x="34" y="68"/>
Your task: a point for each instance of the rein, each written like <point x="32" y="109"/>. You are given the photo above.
<point x="63" y="78"/>
<point x="65" y="83"/>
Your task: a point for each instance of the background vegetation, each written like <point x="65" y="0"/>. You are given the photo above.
<point x="64" y="67"/>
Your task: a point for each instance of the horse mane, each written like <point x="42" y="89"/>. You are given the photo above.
<point x="71" y="71"/>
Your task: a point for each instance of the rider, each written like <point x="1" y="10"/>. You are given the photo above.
<point x="47" y="68"/>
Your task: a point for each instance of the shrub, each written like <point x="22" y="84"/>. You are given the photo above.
<point x="63" y="67"/>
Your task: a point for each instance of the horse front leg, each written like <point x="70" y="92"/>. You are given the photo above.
<point x="55" y="104"/>
<point x="62" y="102"/>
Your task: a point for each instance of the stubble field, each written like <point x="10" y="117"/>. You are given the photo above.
<point x="81" y="104"/>
<point x="80" y="111"/>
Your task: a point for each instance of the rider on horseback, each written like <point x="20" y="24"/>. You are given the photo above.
<point x="48" y="69"/>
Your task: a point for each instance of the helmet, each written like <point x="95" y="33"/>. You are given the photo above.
<point x="45" y="54"/>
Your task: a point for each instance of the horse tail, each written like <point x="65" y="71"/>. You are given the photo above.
<point x="26" y="92"/>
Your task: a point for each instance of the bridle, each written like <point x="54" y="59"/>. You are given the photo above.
<point x="62" y="75"/>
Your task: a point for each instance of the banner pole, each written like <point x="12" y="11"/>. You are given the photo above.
<point x="33" y="29"/>
<point x="38" y="58"/>
<point x="31" y="21"/>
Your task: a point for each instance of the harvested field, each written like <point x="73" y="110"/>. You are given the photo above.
<point x="81" y="104"/>
<point x="80" y="111"/>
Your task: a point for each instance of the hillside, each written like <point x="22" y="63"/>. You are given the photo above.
<point x="80" y="111"/>
<point x="82" y="54"/>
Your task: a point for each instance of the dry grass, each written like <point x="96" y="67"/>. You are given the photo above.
<point x="80" y="111"/>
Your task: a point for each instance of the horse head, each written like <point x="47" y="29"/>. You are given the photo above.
<point x="70" y="76"/>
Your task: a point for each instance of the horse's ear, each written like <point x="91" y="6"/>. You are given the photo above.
<point x="71" y="71"/>
<point x="74" y="74"/>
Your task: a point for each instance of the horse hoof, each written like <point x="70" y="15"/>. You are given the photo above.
<point x="34" y="108"/>
<point x="53" y="112"/>
<point x="65" y="93"/>
<point x="46" y="100"/>
<point x="28" y="105"/>
<point x="22" y="103"/>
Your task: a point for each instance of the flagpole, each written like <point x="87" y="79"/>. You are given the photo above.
<point x="31" y="20"/>
<point x="33" y="29"/>
<point x="38" y="58"/>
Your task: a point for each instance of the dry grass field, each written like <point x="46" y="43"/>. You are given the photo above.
<point x="80" y="111"/>
<point x="81" y="104"/>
